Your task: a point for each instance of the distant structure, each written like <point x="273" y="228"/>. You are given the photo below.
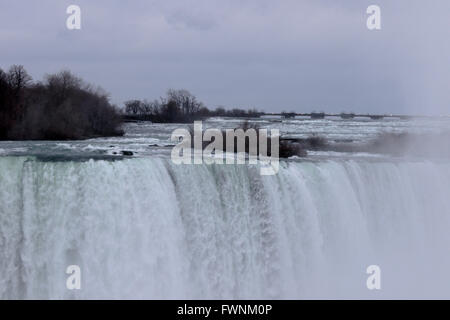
<point x="288" y="115"/>
<point x="347" y="115"/>
<point x="317" y="115"/>
<point x="343" y="115"/>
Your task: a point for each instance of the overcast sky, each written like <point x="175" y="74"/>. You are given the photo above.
<point x="270" y="54"/>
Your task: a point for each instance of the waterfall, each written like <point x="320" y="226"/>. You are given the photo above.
<point x="145" y="228"/>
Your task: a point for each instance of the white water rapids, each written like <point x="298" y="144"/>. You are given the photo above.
<point x="145" y="228"/>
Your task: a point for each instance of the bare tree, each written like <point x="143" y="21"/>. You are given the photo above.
<point x="3" y="88"/>
<point x="61" y="107"/>
<point x="133" y="107"/>
<point x="18" y="77"/>
<point x="61" y="84"/>
<point x="185" y="101"/>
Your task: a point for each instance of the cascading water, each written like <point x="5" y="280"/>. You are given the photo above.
<point x="145" y="228"/>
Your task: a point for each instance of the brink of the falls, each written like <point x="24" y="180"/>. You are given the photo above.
<point x="146" y="228"/>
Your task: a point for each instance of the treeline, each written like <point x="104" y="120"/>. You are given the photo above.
<point x="179" y="106"/>
<point x="60" y="107"/>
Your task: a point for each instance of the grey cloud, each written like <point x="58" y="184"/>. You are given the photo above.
<point x="274" y="55"/>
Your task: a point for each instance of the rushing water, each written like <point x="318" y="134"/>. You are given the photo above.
<point x="145" y="228"/>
